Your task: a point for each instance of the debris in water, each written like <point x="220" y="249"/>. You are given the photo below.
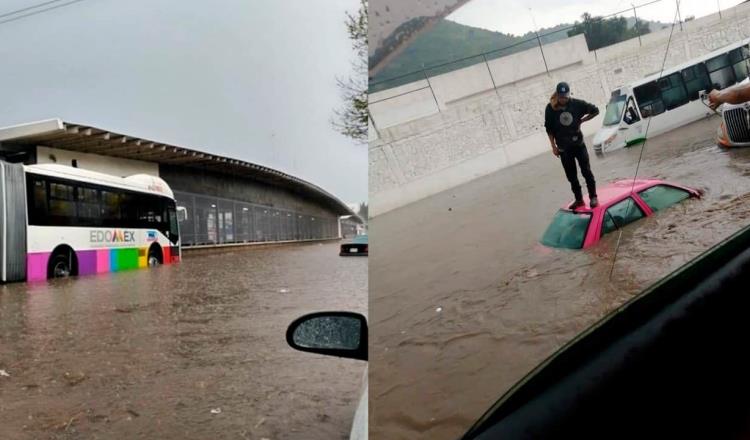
<point x="262" y="420"/>
<point x="74" y="379"/>
<point x="216" y="411"/>
<point x="532" y="273"/>
<point x="4" y="373"/>
<point x="439" y="309"/>
<point x="450" y="209"/>
<point x="283" y="290"/>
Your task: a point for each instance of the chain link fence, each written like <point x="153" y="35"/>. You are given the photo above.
<point x="213" y="220"/>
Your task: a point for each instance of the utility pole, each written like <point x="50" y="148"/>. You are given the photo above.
<point x="679" y="17"/>
<point x="637" y="29"/>
<point x="539" y="40"/>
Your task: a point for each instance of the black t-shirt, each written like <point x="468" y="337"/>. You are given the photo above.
<point x="565" y="122"/>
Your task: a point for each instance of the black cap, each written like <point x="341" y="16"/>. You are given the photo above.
<point x="563" y="88"/>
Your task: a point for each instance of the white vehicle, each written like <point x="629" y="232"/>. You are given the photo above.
<point x="58" y="221"/>
<point x="670" y="99"/>
<point x="734" y="130"/>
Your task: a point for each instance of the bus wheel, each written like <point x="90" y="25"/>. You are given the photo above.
<point x="60" y="266"/>
<point x="153" y="257"/>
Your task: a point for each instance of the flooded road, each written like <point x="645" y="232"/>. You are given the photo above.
<point x="464" y="301"/>
<point x="189" y="351"/>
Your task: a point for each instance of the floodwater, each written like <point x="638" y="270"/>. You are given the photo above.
<point x="464" y="301"/>
<point x="195" y="350"/>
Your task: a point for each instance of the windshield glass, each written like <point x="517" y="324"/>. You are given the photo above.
<point x="360" y="239"/>
<point x="567" y="230"/>
<point x="613" y="114"/>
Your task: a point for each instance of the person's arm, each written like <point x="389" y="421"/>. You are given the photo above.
<point x="591" y="111"/>
<point x="548" y="124"/>
<point x="733" y="95"/>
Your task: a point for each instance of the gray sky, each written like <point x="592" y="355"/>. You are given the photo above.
<point x="250" y="79"/>
<point x="514" y="17"/>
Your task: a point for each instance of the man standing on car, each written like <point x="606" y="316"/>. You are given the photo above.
<point x="562" y="120"/>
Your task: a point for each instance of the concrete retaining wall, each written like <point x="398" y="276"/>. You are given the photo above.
<point x="421" y="148"/>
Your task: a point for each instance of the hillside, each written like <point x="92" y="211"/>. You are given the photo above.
<point x="447" y="41"/>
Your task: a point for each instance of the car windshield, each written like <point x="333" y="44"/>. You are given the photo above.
<point x="567" y="230"/>
<point x="360" y="239"/>
<point x="613" y="114"/>
<point x="662" y="196"/>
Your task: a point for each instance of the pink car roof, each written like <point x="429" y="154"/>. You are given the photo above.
<point x="618" y="190"/>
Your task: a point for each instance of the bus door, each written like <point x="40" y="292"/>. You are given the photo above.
<point x="631" y="125"/>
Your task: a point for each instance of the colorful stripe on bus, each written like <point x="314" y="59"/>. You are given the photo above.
<point x="96" y="261"/>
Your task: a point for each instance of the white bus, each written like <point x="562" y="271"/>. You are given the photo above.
<point x="670" y="99"/>
<point x="58" y="221"/>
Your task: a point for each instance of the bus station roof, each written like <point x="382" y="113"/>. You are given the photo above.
<point x="56" y="133"/>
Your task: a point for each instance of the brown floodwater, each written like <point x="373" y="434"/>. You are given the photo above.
<point x="195" y="350"/>
<point x="464" y="301"/>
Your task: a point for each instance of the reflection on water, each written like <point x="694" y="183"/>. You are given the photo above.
<point x="190" y="351"/>
<point x="464" y="301"/>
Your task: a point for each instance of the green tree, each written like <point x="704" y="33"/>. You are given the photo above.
<point x="351" y="119"/>
<point x="601" y="32"/>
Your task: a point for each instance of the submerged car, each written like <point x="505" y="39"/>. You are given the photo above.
<point x="620" y="203"/>
<point x="342" y="334"/>
<point x="357" y="247"/>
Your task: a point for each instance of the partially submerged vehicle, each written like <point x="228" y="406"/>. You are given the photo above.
<point x="620" y="203"/>
<point x="358" y="247"/>
<point x="734" y="130"/>
<point x="670" y="99"/>
<point x="670" y="363"/>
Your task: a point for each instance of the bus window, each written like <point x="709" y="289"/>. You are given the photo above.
<point x="673" y="91"/>
<point x="696" y="79"/>
<point x="174" y="228"/>
<point x="129" y="209"/>
<point x="62" y="203"/>
<point x="739" y="59"/>
<point x="37" y="201"/>
<point x="720" y="71"/>
<point x="89" y="210"/>
<point x="110" y="207"/>
<point x="649" y="99"/>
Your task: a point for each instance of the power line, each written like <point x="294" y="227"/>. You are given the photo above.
<point x="28" y="8"/>
<point x="643" y="147"/>
<point x="39" y="11"/>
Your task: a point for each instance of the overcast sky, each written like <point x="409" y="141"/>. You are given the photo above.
<point x="514" y="17"/>
<point x="250" y="79"/>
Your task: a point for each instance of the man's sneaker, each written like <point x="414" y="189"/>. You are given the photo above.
<point x="594" y="202"/>
<point x="577" y="204"/>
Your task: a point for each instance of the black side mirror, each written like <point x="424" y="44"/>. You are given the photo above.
<point x="342" y="334"/>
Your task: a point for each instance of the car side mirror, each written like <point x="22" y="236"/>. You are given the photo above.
<point x="342" y="334"/>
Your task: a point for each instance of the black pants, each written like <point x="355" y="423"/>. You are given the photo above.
<point x="568" y="158"/>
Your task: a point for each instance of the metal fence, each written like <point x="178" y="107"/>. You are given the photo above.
<point x="213" y="220"/>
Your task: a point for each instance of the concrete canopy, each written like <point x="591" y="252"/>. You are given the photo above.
<point x="57" y="133"/>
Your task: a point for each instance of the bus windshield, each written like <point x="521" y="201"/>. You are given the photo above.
<point x="613" y="114"/>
